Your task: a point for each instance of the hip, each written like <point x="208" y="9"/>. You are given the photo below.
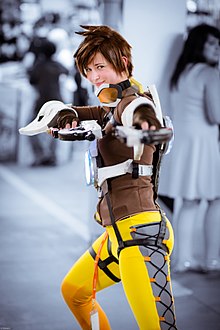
<point x="140" y="225"/>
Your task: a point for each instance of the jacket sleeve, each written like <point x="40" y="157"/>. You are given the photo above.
<point x="90" y="113"/>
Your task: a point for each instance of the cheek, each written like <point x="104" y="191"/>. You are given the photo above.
<point x="206" y="53"/>
<point x="114" y="78"/>
<point x="88" y="77"/>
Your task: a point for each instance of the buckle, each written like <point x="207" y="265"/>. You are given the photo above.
<point x="135" y="170"/>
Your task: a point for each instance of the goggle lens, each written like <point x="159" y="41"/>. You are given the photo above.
<point x="108" y="95"/>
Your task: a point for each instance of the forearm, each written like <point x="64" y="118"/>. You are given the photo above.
<point x="89" y="113"/>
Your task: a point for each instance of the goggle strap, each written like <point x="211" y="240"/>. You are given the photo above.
<point x="125" y="84"/>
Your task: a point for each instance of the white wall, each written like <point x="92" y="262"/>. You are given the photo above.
<point x="154" y="28"/>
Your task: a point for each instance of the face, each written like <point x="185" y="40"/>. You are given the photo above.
<point x="211" y="50"/>
<point x="100" y="71"/>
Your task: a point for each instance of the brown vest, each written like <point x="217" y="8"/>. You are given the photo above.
<point x="128" y="196"/>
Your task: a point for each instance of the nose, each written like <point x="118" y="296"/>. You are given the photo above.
<point x="94" y="76"/>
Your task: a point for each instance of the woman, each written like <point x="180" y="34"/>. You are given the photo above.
<point x="191" y="171"/>
<point x="138" y="241"/>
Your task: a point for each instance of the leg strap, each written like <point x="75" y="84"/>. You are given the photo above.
<point x="103" y="264"/>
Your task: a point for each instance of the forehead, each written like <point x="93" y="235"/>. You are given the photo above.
<point x="212" y="39"/>
<point x="96" y="59"/>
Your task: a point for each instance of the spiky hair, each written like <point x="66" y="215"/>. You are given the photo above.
<point x="109" y="43"/>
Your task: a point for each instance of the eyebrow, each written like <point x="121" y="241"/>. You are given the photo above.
<point x="95" y="64"/>
<point x="99" y="63"/>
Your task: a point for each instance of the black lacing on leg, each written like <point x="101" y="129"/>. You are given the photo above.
<point x="168" y="315"/>
<point x="156" y="259"/>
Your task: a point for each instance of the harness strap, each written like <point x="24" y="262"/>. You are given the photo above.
<point x="103" y="264"/>
<point x="157" y="242"/>
<point x="128" y="166"/>
<point x="162" y="230"/>
<point x="115" y="227"/>
<point x="145" y="242"/>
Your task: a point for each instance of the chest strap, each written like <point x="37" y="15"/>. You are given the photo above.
<point x="129" y="166"/>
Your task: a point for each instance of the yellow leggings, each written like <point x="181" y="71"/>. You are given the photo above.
<point x="143" y="270"/>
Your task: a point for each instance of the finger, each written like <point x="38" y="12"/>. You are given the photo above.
<point x="74" y="124"/>
<point x="145" y="125"/>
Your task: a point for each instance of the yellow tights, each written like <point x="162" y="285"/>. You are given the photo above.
<point x="144" y="272"/>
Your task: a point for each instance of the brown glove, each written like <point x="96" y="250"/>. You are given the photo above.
<point x="145" y="112"/>
<point x="63" y="118"/>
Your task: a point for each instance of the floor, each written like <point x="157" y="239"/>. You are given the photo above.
<point x="45" y="225"/>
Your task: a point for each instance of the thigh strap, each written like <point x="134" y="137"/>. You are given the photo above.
<point x="103" y="264"/>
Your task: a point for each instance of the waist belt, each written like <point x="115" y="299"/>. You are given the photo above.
<point x="128" y="166"/>
<point x="144" y="242"/>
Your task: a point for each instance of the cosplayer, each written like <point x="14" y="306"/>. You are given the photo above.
<point x="138" y="239"/>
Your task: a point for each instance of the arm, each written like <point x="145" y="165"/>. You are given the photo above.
<point x="68" y="120"/>
<point x="212" y="95"/>
<point x="137" y="112"/>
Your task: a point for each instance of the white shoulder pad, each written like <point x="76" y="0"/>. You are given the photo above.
<point x="158" y="110"/>
<point x="127" y="115"/>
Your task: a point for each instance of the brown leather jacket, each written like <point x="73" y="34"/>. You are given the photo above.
<point x="128" y="196"/>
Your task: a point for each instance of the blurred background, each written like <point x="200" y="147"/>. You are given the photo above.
<point x="46" y="209"/>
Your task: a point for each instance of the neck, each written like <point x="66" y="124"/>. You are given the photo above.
<point x="124" y="84"/>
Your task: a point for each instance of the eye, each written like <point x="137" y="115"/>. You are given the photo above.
<point x="86" y="70"/>
<point x="99" y="67"/>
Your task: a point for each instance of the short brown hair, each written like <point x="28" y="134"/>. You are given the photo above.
<point x="109" y="43"/>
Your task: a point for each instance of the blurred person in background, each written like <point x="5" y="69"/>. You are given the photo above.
<point x="80" y="95"/>
<point x="45" y="77"/>
<point x="48" y="26"/>
<point x="191" y="172"/>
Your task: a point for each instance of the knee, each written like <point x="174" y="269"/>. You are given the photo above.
<point x="74" y="293"/>
<point x="65" y="289"/>
<point x="190" y="203"/>
<point x="214" y="202"/>
<point x="69" y="290"/>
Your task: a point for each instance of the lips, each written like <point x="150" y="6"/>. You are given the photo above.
<point x="99" y="84"/>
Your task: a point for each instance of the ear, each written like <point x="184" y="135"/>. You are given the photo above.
<point x="125" y="60"/>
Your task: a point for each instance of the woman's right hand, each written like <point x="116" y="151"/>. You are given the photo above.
<point x="64" y="119"/>
<point x="67" y="119"/>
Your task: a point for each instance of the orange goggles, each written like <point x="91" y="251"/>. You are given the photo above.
<point x="109" y="95"/>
